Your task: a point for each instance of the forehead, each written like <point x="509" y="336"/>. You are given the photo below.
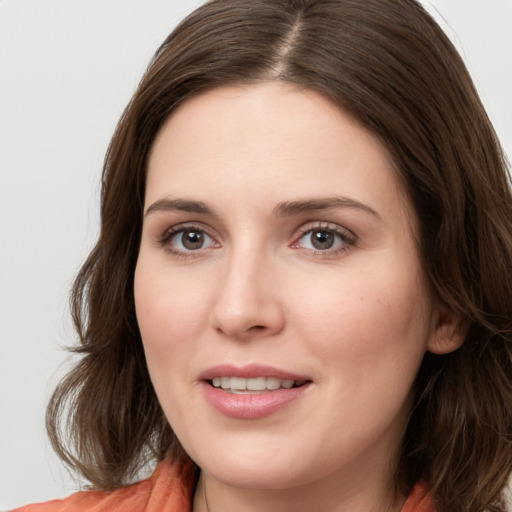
<point x="274" y="140"/>
<point x="277" y="111"/>
<point x="280" y="109"/>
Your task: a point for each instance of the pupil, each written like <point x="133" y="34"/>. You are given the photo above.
<point x="322" y="240"/>
<point x="192" y="239"/>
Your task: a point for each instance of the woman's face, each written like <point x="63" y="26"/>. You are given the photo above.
<point x="280" y="298"/>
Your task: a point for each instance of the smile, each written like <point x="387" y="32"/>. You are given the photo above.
<point x="243" y="385"/>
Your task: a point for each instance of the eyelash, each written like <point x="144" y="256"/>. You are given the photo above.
<point x="168" y="236"/>
<point x="347" y="239"/>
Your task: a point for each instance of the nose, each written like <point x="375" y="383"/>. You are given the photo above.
<point x="247" y="303"/>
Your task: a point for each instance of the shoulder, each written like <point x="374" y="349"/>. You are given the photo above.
<point x="420" y="500"/>
<point x="168" y="489"/>
<point x="78" y="502"/>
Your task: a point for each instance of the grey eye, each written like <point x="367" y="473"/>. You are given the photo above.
<point x="191" y="240"/>
<point x="321" y="240"/>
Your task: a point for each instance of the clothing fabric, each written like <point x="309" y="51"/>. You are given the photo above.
<point x="170" y="489"/>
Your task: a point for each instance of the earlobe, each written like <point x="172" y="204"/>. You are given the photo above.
<point x="448" y="332"/>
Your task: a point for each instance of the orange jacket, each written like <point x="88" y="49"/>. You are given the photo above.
<point x="169" y="489"/>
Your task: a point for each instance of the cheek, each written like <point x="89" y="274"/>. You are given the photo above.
<point x="171" y="313"/>
<point x="364" y="320"/>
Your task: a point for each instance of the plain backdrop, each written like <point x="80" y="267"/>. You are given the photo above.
<point x="67" y="69"/>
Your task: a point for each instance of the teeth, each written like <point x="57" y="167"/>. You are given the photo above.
<point x="254" y="384"/>
<point x="273" y="383"/>
<point x="238" y="383"/>
<point x="257" y="384"/>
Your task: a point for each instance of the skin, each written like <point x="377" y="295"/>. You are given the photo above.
<point x="355" y="318"/>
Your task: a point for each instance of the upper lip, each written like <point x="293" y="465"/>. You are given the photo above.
<point x="250" y="371"/>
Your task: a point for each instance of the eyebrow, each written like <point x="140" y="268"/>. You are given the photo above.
<point x="284" y="209"/>
<point x="183" y="205"/>
<point x="289" y="208"/>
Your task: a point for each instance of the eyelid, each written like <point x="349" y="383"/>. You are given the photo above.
<point x="346" y="234"/>
<point x="348" y="237"/>
<point x="328" y="226"/>
<point x="164" y="239"/>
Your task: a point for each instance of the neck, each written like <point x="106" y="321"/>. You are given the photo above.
<point x="328" y="495"/>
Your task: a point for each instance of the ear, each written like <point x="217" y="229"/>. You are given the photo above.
<point x="448" y="332"/>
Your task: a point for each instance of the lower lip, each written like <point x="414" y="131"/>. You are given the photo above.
<point x="250" y="406"/>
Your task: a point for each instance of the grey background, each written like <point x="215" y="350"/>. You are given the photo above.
<point x="67" y="69"/>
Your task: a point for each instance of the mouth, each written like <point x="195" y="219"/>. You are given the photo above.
<point x="253" y="385"/>
<point x="252" y="391"/>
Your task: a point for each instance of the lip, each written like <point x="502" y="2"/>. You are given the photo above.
<point x="251" y="405"/>
<point x="249" y="371"/>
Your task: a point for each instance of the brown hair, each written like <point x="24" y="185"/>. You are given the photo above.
<point x="388" y="64"/>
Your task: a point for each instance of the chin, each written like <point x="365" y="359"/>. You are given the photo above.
<point x="261" y="467"/>
<point x="267" y="477"/>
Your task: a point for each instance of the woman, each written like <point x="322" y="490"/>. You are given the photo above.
<point x="301" y="292"/>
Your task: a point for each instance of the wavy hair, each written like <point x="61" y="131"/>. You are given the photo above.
<point x="388" y="64"/>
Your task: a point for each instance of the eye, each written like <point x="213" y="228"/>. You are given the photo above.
<point x="188" y="239"/>
<point x="324" y="239"/>
<point x="320" y="240"/>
